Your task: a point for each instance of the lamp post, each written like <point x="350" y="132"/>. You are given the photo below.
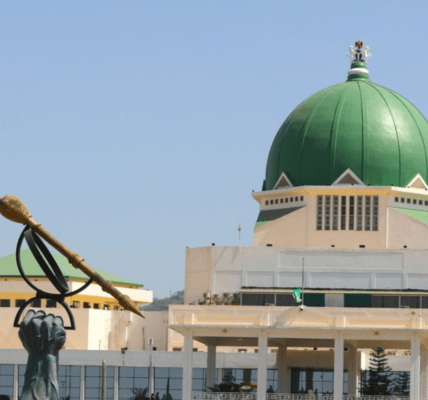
<point x="151" y="375"/>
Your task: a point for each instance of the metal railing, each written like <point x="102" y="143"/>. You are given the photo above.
<point x="285" y="396"/>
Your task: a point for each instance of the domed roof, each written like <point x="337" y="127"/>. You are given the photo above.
<point x="373" y="131"/>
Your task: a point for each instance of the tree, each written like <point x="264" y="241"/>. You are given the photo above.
<point x="228" y="385"/>
<point x="140" y="394"/>
<point x="402" y="384"/>
<point x="379" y="381"/>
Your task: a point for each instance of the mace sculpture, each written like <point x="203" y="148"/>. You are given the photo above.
<point x="44" y="335"/>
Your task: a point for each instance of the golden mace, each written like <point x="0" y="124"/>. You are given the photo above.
<point x="15" y="210"/>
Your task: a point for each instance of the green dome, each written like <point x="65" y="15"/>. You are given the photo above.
<point x="375" y="132"/>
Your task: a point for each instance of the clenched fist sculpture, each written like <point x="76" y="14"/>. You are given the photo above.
<point x="42" y="336"/>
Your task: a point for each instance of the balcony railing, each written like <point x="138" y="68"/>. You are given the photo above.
<point x="286" y="396"/>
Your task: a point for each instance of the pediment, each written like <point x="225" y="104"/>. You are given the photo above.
<point x="348" y="178"/>
<point x="307" y="316"/>
<point x="417" y="183"/>
<point x="282" y="182"/>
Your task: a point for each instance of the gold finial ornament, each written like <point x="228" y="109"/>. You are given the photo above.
<point x="359" y="44"/>
<point x="15" y="210"/>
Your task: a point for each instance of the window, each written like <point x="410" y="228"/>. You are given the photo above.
<point x="281" y="201"/>
<point x="426" y="202"/>
<point x="359" y="213"/>
<point x="343" y="213"/>
<point x="375" y="213"/>
<point x="161" y="378"/>
<point x="271" y="202"/>
<point x="19" y="302"/>
<point x="36" y="303"/>
<point x="257" y="299"/>
<point x="266" y="202"/>
<point x="367" y="216"/>
<point x="296" y="198"/>
<point x="50" y="303"/>
<point x="86" y="304"/>
<point x="396" y="199"/>
<point x="291" y="199"/>
<point x="319" y="213"/>
<point x="408" y="201"/>
<point x="5" y="303"/>
<point x="410" y="301"/>
<point x="414" y="201"/>
<point x="96" y="306"/>
<point x="6" y="380"/>
<point x="335" y="212"/>
<point x="176" y="349"/>
<point x="327" y="213"/>
<point x="286" y="199"/>
<point x="285" y="300"/>
<point x="402" y="199"/>
<point x="420" y="202"/>
<point x="357" y="300"/>
<point x="301" y="198"/>
<point x="317" y="380"/>
<point x="69" y="382"/>
<point x="314" y="299"/>
<point x="276" y="201"/>
<point x="351" y="212"/>
<point x="385" y="301"/>
<point x="242" y="350"/>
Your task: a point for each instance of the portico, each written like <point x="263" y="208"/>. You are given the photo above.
<point x="291" y="327"/>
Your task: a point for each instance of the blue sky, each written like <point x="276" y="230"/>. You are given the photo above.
<point x="134" y="129"/>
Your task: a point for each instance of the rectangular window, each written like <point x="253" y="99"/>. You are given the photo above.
<point x="301" y="198"/>
<point x="266" y="202"/>
<point x="319" y="213"/>
<point x="408" y="201"/>
<point x="276" y="201"/>
<point x="351" y="212"/>
<point x="291" y="199"/>
<point x="367" y="213"/>
<point x="420" y="202"/>
<point x="6" y="380"/>
<point x="424" y="301"/>
<point x="409" y="301"/>
<point x="402" y="199"/>
<point x="36" y="303"/>
<point x="359" y="213"/>
<point x="396" y="199"/>
<point x="375" y="213"/>
<point x="327" y="213"/>
<point x="358" y="300"/>
<point x="426" y="202"/>
<point x="343" y="213"/>
<point x="19" y="302"/>
<point x="50" y="303"/>
<point x="284" y="300"/>
<point x="281" y="201"/>
<point x="335" y="212"/>
<point x="271" y="202"/>
<point x="297" y="199"/>
<point x="414" y="201"/>
<point x="5" y="303"/>
<point x="286" y="199"/>
<point x="130" y="379"/>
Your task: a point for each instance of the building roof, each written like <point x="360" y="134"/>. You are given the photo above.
<point x="373" y="131"/>
<point x="8" y="268"/>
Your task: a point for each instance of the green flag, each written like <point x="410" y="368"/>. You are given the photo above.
<point x="296" y="295"/>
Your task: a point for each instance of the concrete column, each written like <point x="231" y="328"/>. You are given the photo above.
<point x="116" y="383"/>
<point x="415" y="367"/>
<point x="282" y="366"/>
<point x="353" y="369"/>
<point x="82" y="383"/>
<point x="262" y="367"/>
<point x="15" y="381"/>
<point x="211" y="364"/>
<point x="424" y="371"/>
<point x="338" y="367"/>
<point x="187" y="365"/>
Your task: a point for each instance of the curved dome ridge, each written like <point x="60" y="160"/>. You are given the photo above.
<point x="326" y="93"/>
<point x="373" y="131"/>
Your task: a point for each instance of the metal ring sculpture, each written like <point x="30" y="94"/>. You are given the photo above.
<point x="52" y="271"/>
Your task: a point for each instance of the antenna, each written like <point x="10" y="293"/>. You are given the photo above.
<point x="239" y="233"/>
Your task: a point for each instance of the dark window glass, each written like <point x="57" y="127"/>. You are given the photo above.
<point x="281" y="201"/>
<point x="286" y="199"/>
<point x="36" y="303"/>
<point x="284" y="300"/>
<point x="402" y="199"/>
<point x="420" y="202"/>
<point x="291" y="199"/>
<point x="86" y="304"/>
<point x="409" y="301"/>
<point x="276" y="201"/>
<point x="296" y="198"/>
<point x="314" y="299"/>
<point x="408" y="201"/>
<point x="19" y="302"/>
<point x="301" y="198"/>
<point x="414" y="201"/>
<point x="50" y="303"/>
<point x="424" y="301"/>
<point x="396" y="199"/>
<point x="6" y="380"/>
<point x="96" y="306"/>
<point x="358" y="300"/>
<point x="252" y="299"/>
<point x="266" y="202"/>
<point x="271" y="202"/>
<point x="5" y="303"/>
<point x="377" y="301"/>
<point x="390" y="301"/>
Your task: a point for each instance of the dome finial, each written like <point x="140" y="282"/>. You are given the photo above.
<point x="358" y="59"/>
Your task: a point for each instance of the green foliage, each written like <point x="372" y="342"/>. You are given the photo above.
<point x="402" y="384"/>
<point x="227" y="386"/>
<point x="140" y="394"/>
<point x="379" y="381"/>
<point x="162" y="304"/>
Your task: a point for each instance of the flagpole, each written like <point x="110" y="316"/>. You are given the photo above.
<point x="303" y="274"/>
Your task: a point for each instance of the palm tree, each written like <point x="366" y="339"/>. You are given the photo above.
<point x="140" y="394"/>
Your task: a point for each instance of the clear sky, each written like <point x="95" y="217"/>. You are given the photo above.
<point x="132" y="129"/>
